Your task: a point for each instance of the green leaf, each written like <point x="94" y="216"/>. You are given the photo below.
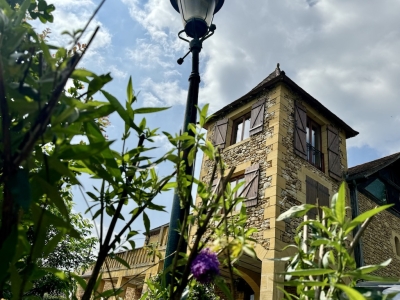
<point x="80" y="280"/>
<point x="83" y="151"/>
<point x="60" y="274"/>
<point x="371" y="268"/>
<point x="53" y="194"/>
<point x="97" y="83"/>
<point x="368" y="214"/>
<point x="21" y="13"/>
<point x="310" y="272"/>
<point x="129" y="91"/>
<point x="147" y="110"/>
<point x="295" y="212"/>
<point x="146" y="222"/>
<point x="21" y="189"/>
<point x="82" y="75"/>
<point x="339" y="203"/>
<point x="203" y="115"/>
<point x="118" y="107"/>
<point x="220" y="283"/>
<point x="350" y="292"/>
<point x="169" y="185"/>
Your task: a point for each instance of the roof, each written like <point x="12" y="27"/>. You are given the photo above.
<point x="154" y="230"/>
<point x="280" y="76"/>
<point x="371" y="167"/>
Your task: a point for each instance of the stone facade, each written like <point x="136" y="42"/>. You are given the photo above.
<point x="245" y="154"/>
<point x="282" y="179"/>
<point x="378" y="241"/>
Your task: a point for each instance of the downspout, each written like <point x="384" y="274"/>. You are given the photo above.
<point x="358" y="250"/>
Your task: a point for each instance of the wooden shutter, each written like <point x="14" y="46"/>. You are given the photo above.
<point x="311" y="195"/>
<point x="323" y="195"/>
<point x="220" y="130"/>
<point x="300" y="131"/>
<point x="315" y="190"/>
<point x="257" y="117"/>
<point x="251" y="176"/>
<point x="334" y="165"/>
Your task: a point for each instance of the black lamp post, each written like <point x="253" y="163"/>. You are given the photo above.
<point x="197" y="16"/>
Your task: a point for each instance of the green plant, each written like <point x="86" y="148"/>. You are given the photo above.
<point x="323" y="266"/>
<point x="37" y="114"/>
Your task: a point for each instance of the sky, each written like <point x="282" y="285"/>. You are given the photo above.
<point x="343" y="52"/>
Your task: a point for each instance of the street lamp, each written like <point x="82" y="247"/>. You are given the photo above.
<point x="197" y="16"/>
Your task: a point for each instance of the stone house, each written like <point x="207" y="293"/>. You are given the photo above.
<point x="143" y="263"/>
<point x="376" y="183"/>
<point x="291" y="149"/>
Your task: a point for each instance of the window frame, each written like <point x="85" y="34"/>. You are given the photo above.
<point x="237" y="179"/>
<point x="242" y="119"/>
<point x="310" y="124"/>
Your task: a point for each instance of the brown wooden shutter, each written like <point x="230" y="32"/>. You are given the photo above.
<point x="300" y="131"/>
<point x="257" y="117"/>
<point x="311" y="195"/>
<point x="251" y="176"/>
<point x="334" y="165"/>
<point x="221" y="128"/>
<point x="323" y="195"/>
<point x="315" y="190"/>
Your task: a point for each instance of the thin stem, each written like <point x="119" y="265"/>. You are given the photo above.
<point x="359" y="234"/>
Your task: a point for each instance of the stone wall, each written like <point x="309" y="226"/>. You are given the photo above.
<point x="294" y="169"/>
<point x="251" y="151"/>
<point x="133" y="293"/>
<point x="378" y="239"/>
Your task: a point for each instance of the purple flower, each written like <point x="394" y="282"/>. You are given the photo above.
<point x="205" y="266"/>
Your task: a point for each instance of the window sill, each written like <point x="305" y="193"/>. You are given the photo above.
<point x="237" y="144"/>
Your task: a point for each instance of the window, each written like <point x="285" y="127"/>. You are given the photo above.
<point x="313" y="140"/>
<point x="241" y="129"/>
<point x="249" y="188"/>
<point x="308" y="143"/>
<point x="234" y="182"/>
<point x="378" y="189"/>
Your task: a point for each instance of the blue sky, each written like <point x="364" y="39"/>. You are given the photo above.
<point x="343" y="52"/>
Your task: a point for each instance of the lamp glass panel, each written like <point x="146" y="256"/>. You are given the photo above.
<point x="198" y="9"/>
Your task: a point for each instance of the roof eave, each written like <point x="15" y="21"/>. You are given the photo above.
<point x="363" y="175"/>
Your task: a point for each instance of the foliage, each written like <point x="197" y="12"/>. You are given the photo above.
<point x="323" y="266"/>
<point x="36" y="111"/>
<point x="202" y="292"/>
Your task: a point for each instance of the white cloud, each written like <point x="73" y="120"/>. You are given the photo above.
<point x="162" y="142"/>
<point x="149" y="55"/>
<point x="166" y="93"/>
<point x="117" y="72"/>
<point x="344" y="53"/>
<point x="72" y="15"/>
